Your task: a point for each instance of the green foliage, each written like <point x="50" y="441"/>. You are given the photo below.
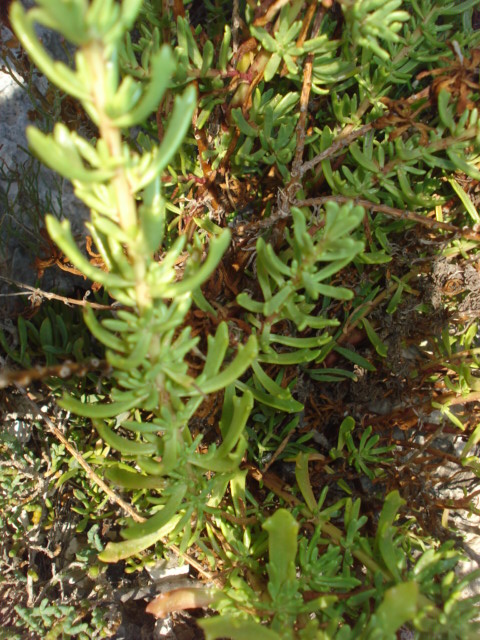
<point x="289" y="608"/>
<point x="365" y="453"/>
<point x="384" y="125"/>
<point x="371" y="20"/>
<point x="54" y="621"/>
<point x="55" y="333"/>
<point x="283" y="279"/>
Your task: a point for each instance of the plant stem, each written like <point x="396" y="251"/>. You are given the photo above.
<point x="126" y="206"/>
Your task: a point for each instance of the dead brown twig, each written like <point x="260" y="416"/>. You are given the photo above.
<point x="279" y="450"/>
<point x="306" y="88"/>
<point x="369" y="306"/>
<point x="94" y="477"/>
<point x="270" y="13"/>
<point x="80" y="459"/>
<point x="39" y="293"/>
<point x="342" y="141"/>
<point x="404" y="214"/>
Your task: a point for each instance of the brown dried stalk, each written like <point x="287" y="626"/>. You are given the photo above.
<point x="404" y="214"/>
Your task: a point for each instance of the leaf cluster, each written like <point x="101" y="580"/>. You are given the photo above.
<point x="325" y="121"/>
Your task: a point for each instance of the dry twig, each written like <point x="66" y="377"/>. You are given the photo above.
<point x="339" y="143"/>
<point x="306" y="88"/>
<point x="404" y="214"/>
<point x="37" y="413"/>
<point x="39" y="293"/>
